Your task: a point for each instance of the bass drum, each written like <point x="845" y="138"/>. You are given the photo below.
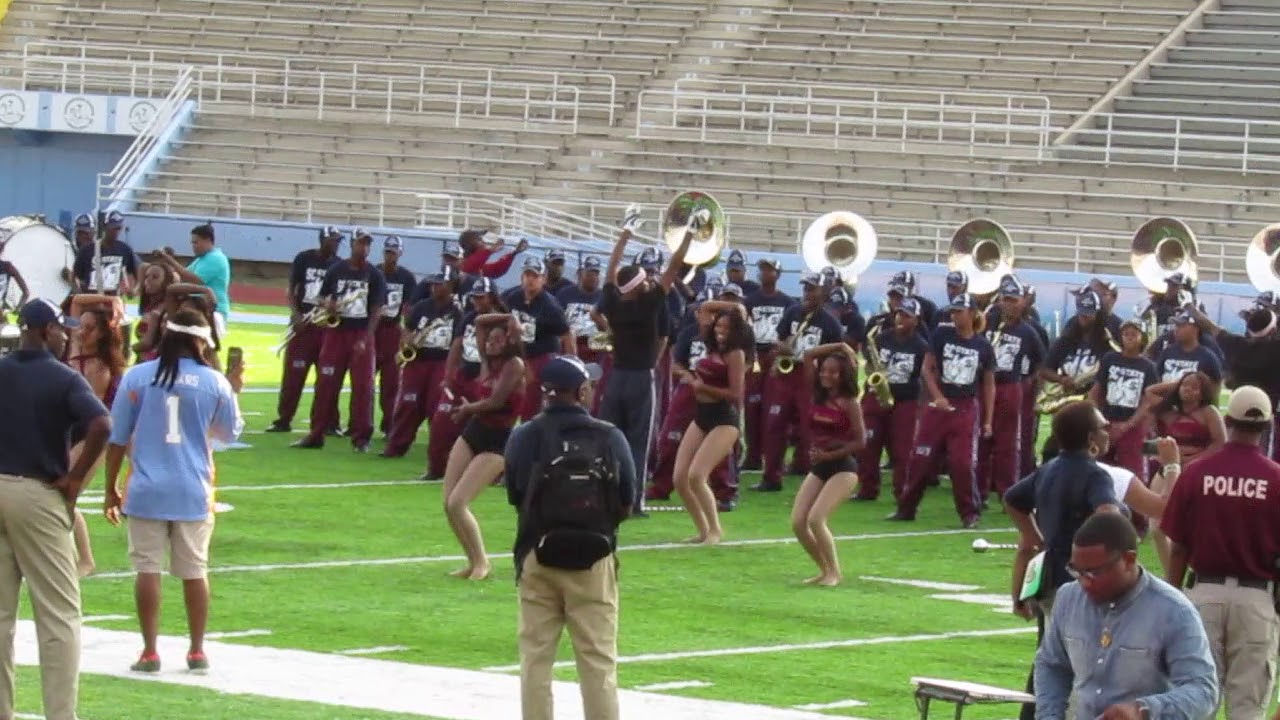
<point x="41" y="252"/>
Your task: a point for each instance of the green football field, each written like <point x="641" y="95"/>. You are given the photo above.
<point x="332" y="600"/>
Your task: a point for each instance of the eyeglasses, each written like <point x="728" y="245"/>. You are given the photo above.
<point x="1094" y="572"/>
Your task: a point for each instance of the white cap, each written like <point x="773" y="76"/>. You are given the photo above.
<point x="1249" y="404"/>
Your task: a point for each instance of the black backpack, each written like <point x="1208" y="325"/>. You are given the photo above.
<point x="572" y="508"/>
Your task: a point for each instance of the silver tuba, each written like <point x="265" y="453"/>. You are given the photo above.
<point x="708" y="241"/>
<point x="1161" y="247"/>
<point x="842" y="240"/>
<point x="983" y="249"/>
<point x="1262" y="259"/>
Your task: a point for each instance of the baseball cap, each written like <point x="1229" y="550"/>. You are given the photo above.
<point x="811" y="279"/>
<point x="484" y="286"/>
<point x="1135" y="323"/>
<point x="361" y="234"/>
<point x="533" y="264"/>
<point x="591" y="263"/>
<point x="84" y="221"/>
<point x="910" y="306"/>
<point x="715" y="284"/>
<point x="838" y="296"/>
<point x="732" y="289"/>
<point x="446" y="274"/>
<point x="393" y="242"/>
<point x="898" y="288"/>
<point x="1010" y="286"/>
<point x="773" y="263"/>
<point x="331" y="232"/>
<point x="566" y="372"/>
<point x="649" y="258"/>
<point x="115" y="219"/>
<point x="905" y="278"/>
<point x="958" y="277"/>
<point x="452" y="249"/>
<point x="736" y="259"/>
<point x="554" y="255"/>
<point x="1088" y="302"/>
<point x="963" y="301"/>
<point x="1178" y="279"/>
<point x="1182" y="317"/>
<point x="1267" y="298"/>
<point x="1249" y="404"/>
<point x="1105" y="284"/>
<point x="40" y="313"/>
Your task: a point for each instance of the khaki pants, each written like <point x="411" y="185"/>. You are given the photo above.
<point x="36" y="545"/>
<point x="1243" y="630"/>
<point x="587" y="602"/>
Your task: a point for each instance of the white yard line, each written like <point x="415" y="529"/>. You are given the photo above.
<point x="371" y="684"/>
<point x="837" y="705"/>
<point x="675" y="685"/>
<point x="319" y="564"/>
<point x="379" y="650"/>
<point x="766" y="649"/>
<point x="924" y="584"/>
<point x="104" y="618"/>
<point x="236" y="634"/>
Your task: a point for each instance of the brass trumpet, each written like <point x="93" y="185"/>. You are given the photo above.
<point x="601" y="342"/>
<point x="1053" y="397"/>
<point x="318" y="315"/>
<point x="878" y="380"/>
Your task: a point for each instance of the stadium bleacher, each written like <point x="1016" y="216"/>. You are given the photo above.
<point x="1069" y="121"/>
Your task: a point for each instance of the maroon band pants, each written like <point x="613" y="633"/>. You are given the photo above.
<point x="953" y="433"/>
<point x="343" y="351"/>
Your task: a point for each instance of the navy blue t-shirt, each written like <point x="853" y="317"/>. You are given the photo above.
<point x="1071" y="357"/>
<point x="961" y="363"/>
<point x="400" y="284"/>
<point x="306" y="275"/>
<point x="441" y="320"/>
<point x="748" y="287"/>
<point x="902" y="360"/>
<point x="669" y="327"/>
<point x="542" y="322"/>
<point x="44" y="404"/>
<point x="1174" y="362"/>
<point x="356" y="290"/>
<point x="1017" y="348"/>
<point x="822" y="328"/>
<point x="578" y="304"/>
<point x="118" y="260"/>
<point x="555" y="286"/>
<point x="849" y="317"/>
<point x="465" y="329"/>
<point x="1123" y="380"/>
<point x="766" y="315"/>
<point x="689" y="347"/>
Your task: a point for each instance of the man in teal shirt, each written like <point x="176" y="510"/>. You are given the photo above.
<point x="210" y="268"/>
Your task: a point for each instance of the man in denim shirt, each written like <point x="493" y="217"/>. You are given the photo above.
<point x="1126" y="644"/>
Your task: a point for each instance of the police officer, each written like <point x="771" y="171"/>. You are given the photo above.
<point x="1223" y="519"/>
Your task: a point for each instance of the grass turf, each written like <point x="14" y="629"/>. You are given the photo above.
<point x="674" y="599"/>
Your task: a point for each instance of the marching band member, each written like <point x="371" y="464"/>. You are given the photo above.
<point x="718" y="383"/>
<point x="400" y="284"/>
<point x="462" y="367"/>
<point x="119" y="262"/>
<point x="578" y="301"/>
<point x="840" y="303"/>
<point x="765" y="307"/>
<point x="905" y="281"/>
<point x="1073" y="357"/>
<point x="633" y="305"/>
<point x="1123" y="378"/>
<point x="957" y="282"/>
<point x="84" y="231"/>
<point x="959" y="366"/>
<point x="543" y="328"/>
<point x="556" y="281"/>
<point x="1018" y="349"/>
<point x="475" y="460"/>
<point x="303" y="349"/>
<point x="428" y="330"/>
<point x="1161" y="308"/>
<point x="1031" y="388"/>
<point x="1186" y="354"/>
<point x="354" y="291"/>
<point x="735" y="270"/>
<point x="837" y="435"/>
<point x="900" y="350"/>
<point x="450" y="257"/>
<point x="803" y="326"/>
<point x="1107" y="293"/>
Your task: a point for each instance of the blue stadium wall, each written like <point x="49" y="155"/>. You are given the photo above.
<point x="54" y="174"/>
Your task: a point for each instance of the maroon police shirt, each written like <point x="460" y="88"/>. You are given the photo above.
<point x="1225" y="510"/>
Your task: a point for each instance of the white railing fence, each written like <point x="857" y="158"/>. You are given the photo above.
<point x="118" y="185"/>
<point x="1182" y="142"/>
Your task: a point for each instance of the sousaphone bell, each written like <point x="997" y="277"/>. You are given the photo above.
<point x="983" y="249"/>
<point x="1161" y="247"/>
<point x="842" y="240"/>
<point x="708" y="240"/>
<point x="1262" y="259"/>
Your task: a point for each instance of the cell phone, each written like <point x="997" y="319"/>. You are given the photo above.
<point x="235" y="358"/>
<point x="1150" y="448"/>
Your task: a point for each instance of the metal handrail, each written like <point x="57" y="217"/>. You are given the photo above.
<point x="112" y="186"/>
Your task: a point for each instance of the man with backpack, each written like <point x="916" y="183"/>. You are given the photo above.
<point x="572" y="479"/>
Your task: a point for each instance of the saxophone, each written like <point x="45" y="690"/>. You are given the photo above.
<point x="787" y="363"/>
<point x="877" y="381"/>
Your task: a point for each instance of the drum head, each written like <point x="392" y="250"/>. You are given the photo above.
<point x="41" y="253"/>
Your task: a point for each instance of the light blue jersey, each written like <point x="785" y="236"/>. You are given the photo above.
<point x="171" y="459"/>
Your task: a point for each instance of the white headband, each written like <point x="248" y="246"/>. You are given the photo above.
<point x="201" y="332"/>
<point x="1271" y="326"/>
<point x="636" y="281"/>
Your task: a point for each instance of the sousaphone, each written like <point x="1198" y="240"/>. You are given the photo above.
<point x="1262" y="259"/>
<point x="708" y="241"/>
<point x="1161" y="247"/>
<point x="983" y="250"/>
<point x="842" y="240"/>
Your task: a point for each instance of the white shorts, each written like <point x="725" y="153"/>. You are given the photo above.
<point x="187" y="543"/>
<point x="220" y="325"/>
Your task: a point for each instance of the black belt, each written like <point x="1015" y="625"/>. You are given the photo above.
<point x="1254" y="583"/>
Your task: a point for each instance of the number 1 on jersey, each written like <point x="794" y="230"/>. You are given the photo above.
<point x="173" y="432"/>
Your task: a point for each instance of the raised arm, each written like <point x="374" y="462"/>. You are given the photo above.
<point x="677" y="259"/>
<point x="22" y="284"/>
<point x="822" y="351"/>
<point x="715" y="307"/>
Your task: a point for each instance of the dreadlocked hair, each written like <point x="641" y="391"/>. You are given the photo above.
<point x="175" y="345"/>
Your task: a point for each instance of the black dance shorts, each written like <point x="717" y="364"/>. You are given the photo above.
<point x="482" y="438"/>
<point x="824" y="471"/>
<point x="709" y="416"/>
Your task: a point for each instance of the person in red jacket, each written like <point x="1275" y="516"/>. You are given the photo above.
<point x="477" y="255"/>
